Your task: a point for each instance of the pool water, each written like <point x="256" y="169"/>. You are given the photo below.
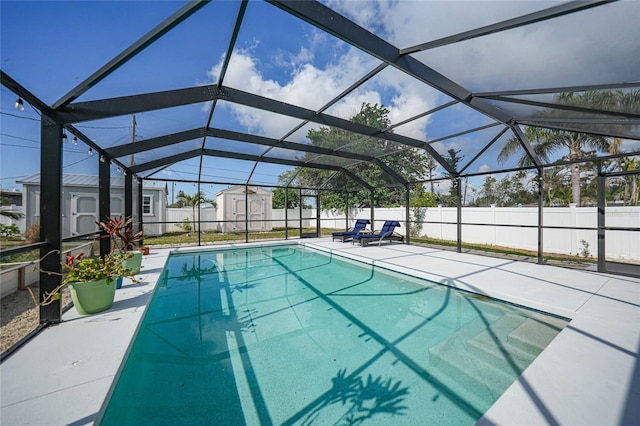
<point x="286" y="335"/>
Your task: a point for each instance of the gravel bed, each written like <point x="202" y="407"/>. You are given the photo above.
<point x="19" y="315"/>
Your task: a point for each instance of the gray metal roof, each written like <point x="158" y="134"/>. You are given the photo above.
<point x="70" y="179"/>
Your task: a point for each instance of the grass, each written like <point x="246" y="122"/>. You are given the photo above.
<point x="186" y="238"/>
<point x="503" y="250"/>
<point x="26" y="256"/>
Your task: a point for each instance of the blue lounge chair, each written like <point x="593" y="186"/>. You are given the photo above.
<point x="386" y="233"/>
<point x="343" y="236"/>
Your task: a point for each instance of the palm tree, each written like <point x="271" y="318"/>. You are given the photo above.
<point x="193" y="201"/>
<point x="628" y="164"/>
<point x="546" y="142"/>
<point x="7" y="213"/>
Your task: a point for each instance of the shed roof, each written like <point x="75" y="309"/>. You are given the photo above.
<point x="70" y="179"/>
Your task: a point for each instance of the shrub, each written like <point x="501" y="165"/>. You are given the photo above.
<point x="9" y="231"/>
<point x="585" y="249"/>
<point x="32" y="235"/>
<point x="186" y="225"/>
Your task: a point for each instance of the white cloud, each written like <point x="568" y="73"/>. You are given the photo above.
<point x="598" y="45"/>
<point x="312" y="87"/>
<point x="484" y="168"/>
<point x="534" y="55"/>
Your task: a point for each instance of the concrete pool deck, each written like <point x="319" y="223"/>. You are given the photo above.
<point x="588" y="375"/>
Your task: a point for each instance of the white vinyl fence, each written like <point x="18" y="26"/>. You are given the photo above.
<point x="619" y="244"/>
<point x="181" y="216"/>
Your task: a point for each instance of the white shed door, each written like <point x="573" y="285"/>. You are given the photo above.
<point x="239" y="213"/>
<point x="256" y="213"/>
<point x="84" y="213"/>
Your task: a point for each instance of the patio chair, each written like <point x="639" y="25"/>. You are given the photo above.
<point x="359" y="226"/>
<point x="385" y="234"/>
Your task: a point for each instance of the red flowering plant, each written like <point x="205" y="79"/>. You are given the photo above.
<point x="120" y="232"/>
<point x="81" y="269"/>
<point x="73" y="260"/>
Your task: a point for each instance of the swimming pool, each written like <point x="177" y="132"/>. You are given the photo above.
<point x="289" y="335"/>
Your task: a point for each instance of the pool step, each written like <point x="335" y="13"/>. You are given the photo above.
<point x="513" y="343"/>
<point x="494" y="345"/>
<point x="536" y="332"/>
<point x="480" y="364"/>
<point x="474" y="381"/>
<point x="501" y="355"/>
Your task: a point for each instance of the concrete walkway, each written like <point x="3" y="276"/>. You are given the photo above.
<point x="588" y="375"/>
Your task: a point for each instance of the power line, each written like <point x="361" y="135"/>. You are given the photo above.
<point x="20" y="116"/>
<point x="68" y="150"/>
<point x="18" y="137"/>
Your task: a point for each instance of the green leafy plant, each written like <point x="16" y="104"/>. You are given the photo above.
<point x="95" y="269"/>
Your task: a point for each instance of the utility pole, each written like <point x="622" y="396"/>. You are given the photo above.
<point x="133" y="136"/>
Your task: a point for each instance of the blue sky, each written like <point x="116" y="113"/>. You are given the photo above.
<point x="49" y="47"/>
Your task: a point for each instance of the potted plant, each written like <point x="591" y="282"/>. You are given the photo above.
<point x="123" y="240"/>
<point x="92" y="281"/>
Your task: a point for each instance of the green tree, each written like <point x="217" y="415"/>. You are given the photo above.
<point x="293" y="198"/>
<point x="508" y="191"/>
<point x="453" y="159"/>
<point x="431" y="164"/>
<point x="488" y="192"/>
<point x="419" y="199"/>
<point x="411" y="164"/>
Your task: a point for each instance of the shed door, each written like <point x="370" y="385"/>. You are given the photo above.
<point x="84" y="213"/>
<point x="239" y="213"/>
<point x="256" y="213"/>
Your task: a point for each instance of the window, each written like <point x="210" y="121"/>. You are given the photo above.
<point x="36" y="208"/>
<point x="147" y="205"/>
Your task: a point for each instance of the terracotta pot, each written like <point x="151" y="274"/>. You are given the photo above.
<point x="144" y="250"/>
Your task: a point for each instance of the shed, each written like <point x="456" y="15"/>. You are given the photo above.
<point x="80" y="203"/>
<point x="232" y="209"/>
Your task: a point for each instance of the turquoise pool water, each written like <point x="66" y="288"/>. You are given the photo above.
<point x="286" y="335"/>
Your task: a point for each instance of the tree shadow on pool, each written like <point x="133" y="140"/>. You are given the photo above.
<point x="362" y="398"/>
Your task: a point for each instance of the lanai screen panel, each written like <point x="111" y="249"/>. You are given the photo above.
<point x="186" y="56"/>
<point x="301" y="66"/>
<point x="571" y="50"/>
<point x="407" y="24"/>
<point x="68" y="40"/>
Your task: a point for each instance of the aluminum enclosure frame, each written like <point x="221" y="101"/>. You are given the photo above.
<point x="66" y="113"/>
